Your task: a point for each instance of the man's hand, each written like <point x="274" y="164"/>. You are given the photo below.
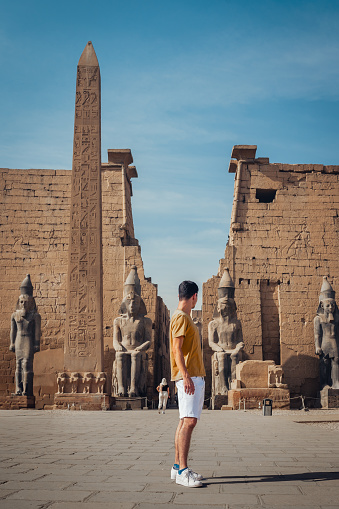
<point x="318" y="351"/>
<point x="188" y="385"/>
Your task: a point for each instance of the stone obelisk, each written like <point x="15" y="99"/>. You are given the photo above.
<point x="83" y="350"/>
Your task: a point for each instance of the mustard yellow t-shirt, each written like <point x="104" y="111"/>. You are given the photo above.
<point x="183" y="325"/>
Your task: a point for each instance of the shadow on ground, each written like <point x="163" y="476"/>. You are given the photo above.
<point x="306" y="476"/>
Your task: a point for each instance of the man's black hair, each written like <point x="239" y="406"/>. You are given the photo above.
<point x="187" y="289"/>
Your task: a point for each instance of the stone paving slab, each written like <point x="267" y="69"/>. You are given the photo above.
<point x="21" y="504"/>
<point x="122" y="460"/>
<point x="50" y="495"/>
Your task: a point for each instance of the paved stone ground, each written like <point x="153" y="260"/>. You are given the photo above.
<point x="111" y="460"/>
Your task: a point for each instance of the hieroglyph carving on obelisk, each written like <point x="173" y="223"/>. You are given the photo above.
<point x="84" y="340"/>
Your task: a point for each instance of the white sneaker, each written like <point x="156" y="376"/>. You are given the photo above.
<point x="173" y="473"/>
<point x="197" y="477"/>
<point x="186" y="479"/>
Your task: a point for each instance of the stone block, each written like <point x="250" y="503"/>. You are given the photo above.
<point x="329" y="398"/>
<point x="121" y="403"/>
<point x="218" y="401"/>
<point x="82" y="401"/>
<point x="252" y="398"/>
<point x="253" y="374"/>
<point x="15" y="402"/>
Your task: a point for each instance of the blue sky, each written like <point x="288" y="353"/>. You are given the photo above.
<point x="182" y="82"/>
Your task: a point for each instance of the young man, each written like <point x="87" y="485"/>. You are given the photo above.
<point x="187" y="370"/>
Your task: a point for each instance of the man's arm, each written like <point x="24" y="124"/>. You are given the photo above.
<point x="180" y="362"/>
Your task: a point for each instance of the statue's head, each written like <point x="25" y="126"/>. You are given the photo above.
<point x="26" y="302"/>
<point x="226" y="307"/>
<point x="226" y="304"/>
<point x="327" y="305"/>
<point x="132" y="303"/>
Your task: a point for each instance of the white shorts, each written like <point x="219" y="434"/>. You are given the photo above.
<point x="190" y="405"/>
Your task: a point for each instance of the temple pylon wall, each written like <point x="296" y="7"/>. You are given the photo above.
<point x="34" y="238"/>
<point x="284" y="237"/>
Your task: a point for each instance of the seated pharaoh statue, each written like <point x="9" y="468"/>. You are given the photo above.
<point x="132" y="332"/>
<point x="225" y="337"/>
<point x="25" y="338"/>
<point x="326" y="336"/>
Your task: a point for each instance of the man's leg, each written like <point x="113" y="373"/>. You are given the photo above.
<point x="176" y="441"/>
<point x="188" y="405"/>
<point x="183" y="440"/>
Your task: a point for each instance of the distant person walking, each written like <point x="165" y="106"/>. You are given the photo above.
<point x="164" y="394"/>
<point x="188" y="372"/>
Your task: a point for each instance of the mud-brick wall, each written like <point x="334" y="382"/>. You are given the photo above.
<point x="284" y="238"/>
<point x="34" y="226"/>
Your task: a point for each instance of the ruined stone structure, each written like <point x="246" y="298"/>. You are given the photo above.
<point x="34" y="236"/>
<point x="255" y="381"/>
<point x="284" y="237"/>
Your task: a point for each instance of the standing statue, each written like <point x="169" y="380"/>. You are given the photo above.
<point x="225" y="337"/>
<point x="132" y="333"/>
<point x="326" y="336"/>
<point x="25" y="338"/>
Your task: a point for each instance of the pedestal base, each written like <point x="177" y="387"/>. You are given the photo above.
<point x="218" y="401"/>
<point x="329" y="398"/>
<point x="252" y="397"/>
<point x="15" y="402"/>
<point x="121" y="403"/>
<point x="78" y="401"/>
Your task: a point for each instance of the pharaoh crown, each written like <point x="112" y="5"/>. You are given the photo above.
<point x="326" y="291"/>
<point x="26" y="287"/>
<point x="226" y="286"/>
